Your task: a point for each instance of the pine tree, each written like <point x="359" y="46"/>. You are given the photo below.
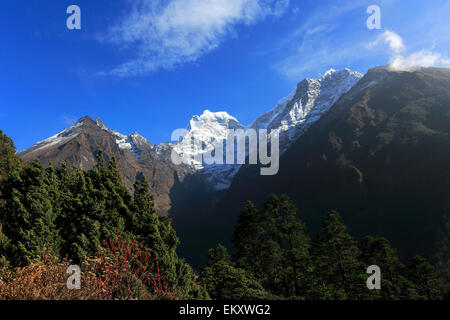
<point x="225" y="282"/>
<point x="158" y="235"/>
<point x="286" y="249"/>
<point x="426" y="279"/>
<point x="8" y="160"/>
<point x="247" y="240"/>
<point x="273" y="276"/>
<point x="28" y="216"/>
<point x="273" y="247"/>
<point x="442" y="256"/>
<point x="143" y="216"/>
<point x="295" y="245"/>
<point x="338" y="274"/>
<point x="9" y="167"/>
<point x="394" y="284"/>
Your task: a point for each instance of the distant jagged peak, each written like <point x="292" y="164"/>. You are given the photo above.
<point x="101" y="124"/>
<point x="344" y="78"/>
<point x="63" y="136"/>
<point x="210" y="119"/>
<point x="331" y="73"/>
<point x="346" y="72"/>
<point x="218" y="115"/>
<point x="133" y="142"/>
<point x="135" y="135"/>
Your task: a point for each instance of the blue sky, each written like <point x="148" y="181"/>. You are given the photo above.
<point x="149" y="65"/>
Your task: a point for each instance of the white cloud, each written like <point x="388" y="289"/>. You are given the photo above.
<point x="398" y="61"/>
<point x="280" y="7"/>
<point x="167" y="34"/>
<point x="422" y="58"/>
<point x="392" y="39"/>
<point x="321" y="28"/>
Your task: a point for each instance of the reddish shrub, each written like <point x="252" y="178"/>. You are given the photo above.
<point x="127" y="270"/>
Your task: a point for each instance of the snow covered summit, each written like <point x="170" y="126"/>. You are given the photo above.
<point x="293" y="115"/>
<point x="207" y="128"/>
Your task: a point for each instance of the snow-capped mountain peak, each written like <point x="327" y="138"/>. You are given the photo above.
<point x="133" y="142"/>
<point x="329" y="73"/>
<point x="61" y="137"/>
<point x="293" y="115"/>
<point x="210" y="119"/>
<point x="208" y="128"/>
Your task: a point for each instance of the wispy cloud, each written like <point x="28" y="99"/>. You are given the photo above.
<point x="166" y="34"/>
<point x="313" y="59"/>
<point x="313" y="47"/>
<point x="321" y="28"/>
<point x="393" y="40"/>
<point x="400" y="61"/>
<point x="422" y="58"/>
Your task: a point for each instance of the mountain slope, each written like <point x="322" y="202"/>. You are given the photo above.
<point x="380" y="156"/>
<point x="311" y="99"/>
<point x="79" y="144"/>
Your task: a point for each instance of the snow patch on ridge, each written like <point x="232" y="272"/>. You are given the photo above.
<point x="312" y="98"/>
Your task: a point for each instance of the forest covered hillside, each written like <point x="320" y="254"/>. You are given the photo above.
<point x="380" y="156"/>
<point x="52" y="218"/>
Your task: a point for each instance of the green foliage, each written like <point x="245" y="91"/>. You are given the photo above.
<point x="285" y="249"/>
<point x="223" y="281"/>
<point x="28" y="218"/>
<point x="272" y="250"/>
<point x="68" y="213"/>
<point x="442" y="256"/>
<point x="272" y="246"/>
<point x="247" y="240"/>
<point x="394" y="284"/>
<point x="335" y="256"/>
<point x="425" y="277"/>
<point x="8" y="161"/>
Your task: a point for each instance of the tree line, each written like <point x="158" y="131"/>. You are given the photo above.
<point x="273" y="258"/>
<point x="68" y="214"/>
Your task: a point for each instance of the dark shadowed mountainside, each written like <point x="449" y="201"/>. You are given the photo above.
<point x="380" y="156"/>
